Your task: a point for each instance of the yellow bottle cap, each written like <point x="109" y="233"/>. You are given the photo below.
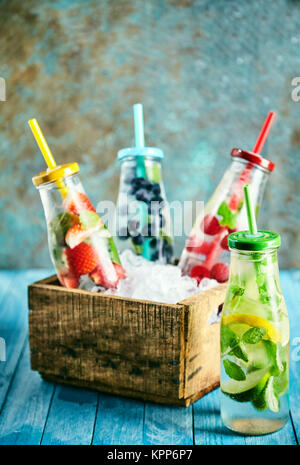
<point x="54" y="174"/>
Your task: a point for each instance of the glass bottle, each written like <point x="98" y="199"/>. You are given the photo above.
<point x="254" y="338"/>
<point x="143" y="215"/>
<point x="206" y="252"/>
<point x="81" y="247"/>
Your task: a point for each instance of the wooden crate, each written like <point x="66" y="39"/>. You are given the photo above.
<point x="152" y="351"/>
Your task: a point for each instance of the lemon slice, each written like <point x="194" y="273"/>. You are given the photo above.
<point x="273" y="334"/>
<point x="237" y="387"/>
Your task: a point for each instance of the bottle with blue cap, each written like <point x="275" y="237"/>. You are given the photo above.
<point x="143" y="216"/>
<point x="254" y="334"/>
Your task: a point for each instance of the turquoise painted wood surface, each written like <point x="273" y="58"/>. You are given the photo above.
<point x="33" y="411"/>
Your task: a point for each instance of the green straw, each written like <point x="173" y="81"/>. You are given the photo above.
<point x="250" y="210"/>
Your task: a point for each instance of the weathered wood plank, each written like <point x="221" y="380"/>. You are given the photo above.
<point x="290" y="281"/>
<point x="168" y="425"/>
<point x="119" y="421"/>
<point x="25" y="411"/>
<point x="108" y="342"/>
<point x="202" y="353"/>
<point x="71" y="417"/>
<point x="13" y="320"/>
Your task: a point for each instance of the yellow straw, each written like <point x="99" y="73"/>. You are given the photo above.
<point x="41" y="142"/>
<point x="46" y="152"/>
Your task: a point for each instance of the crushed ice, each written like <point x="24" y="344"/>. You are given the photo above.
<point x="154" y="281"/>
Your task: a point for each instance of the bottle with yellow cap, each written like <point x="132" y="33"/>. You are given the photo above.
<point x="81" y="247"/>
<point x="254" y="336"/>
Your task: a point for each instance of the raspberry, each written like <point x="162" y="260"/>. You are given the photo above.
<point x="220" y="272"/>
<point x="224" y="242"/>
<point x="199" y="272"/>
<point x="210" y="225"/>
<point x="198" y="247"/>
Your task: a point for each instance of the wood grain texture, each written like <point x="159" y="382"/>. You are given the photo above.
<point x="168" y="425"/>
<point x="71" y="417"/>
<point x="202" y="357"/>
<point x="123" y="346"/>
<point x="290" y="281"/>
<point x="13" y="320"/>
<point x="119" y="421"/>
<point x="25" y="411"/>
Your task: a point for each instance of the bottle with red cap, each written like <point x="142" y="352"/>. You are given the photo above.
<point x="206" y="253"/>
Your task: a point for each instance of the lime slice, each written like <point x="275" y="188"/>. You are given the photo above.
<point x="273" y="334"/>
<point x="236" y="387"/>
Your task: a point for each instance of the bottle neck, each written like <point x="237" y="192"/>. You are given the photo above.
<point x="53" y="195"/>
<point x="256" y="273"/>
<point x="148" y="167"/>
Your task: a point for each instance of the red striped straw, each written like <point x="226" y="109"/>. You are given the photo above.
<point x="264" y="132"/>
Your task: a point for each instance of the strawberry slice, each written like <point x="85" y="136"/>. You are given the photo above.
<point x="220" y="272"/>
<point x="210" y="225"/>
<point x="76" y="202"/>
<point x="68" y="280"/>
<point x="108" y="278"/>
<point x="82" y="259"/>
<point x="76" y="234"/>
<point x="199" y="272"/>
<point x="234" y="202"/>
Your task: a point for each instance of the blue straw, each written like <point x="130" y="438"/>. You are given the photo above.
<point x="138" y="125"/>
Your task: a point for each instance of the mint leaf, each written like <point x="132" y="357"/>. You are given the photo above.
<point x="233" y="370"/>
<point x="59" y="226"/>
<point x="113" y="251"/>
<point x="228" y="338"/>
<point x="90" y="219"/>
<point x="239" y="351"/>
<point x="273" y="354"/>
<point x="228" y="217"/>
<point x="253" y="335"/>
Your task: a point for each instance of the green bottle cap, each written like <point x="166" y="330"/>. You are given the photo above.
<point x="262" y="240"/>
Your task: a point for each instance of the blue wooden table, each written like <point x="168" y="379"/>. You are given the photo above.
<point x="33" y="411"/>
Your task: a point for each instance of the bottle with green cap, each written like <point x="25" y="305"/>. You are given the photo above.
<point x="143" y="215"/>
<point x="254" y="334"/>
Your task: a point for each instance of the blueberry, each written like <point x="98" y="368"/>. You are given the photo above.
<point x="143" y="195"/>
<point x="153" y="242"/>
<point x="156" y="189"/>
<point x="138" y="240"/>
<point x="155" y="256"/>
<point x="123" y="234"/>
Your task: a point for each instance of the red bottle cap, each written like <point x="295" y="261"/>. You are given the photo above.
<point x="254" y="158"/>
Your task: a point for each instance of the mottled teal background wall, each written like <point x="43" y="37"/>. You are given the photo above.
<point x="207" y="73"/>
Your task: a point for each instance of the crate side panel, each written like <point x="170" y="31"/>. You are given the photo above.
<point x="108" y="342"/>
<point x="202" y="357"/>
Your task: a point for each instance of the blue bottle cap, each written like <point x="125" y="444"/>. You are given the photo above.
<point x="140" y="152"/>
